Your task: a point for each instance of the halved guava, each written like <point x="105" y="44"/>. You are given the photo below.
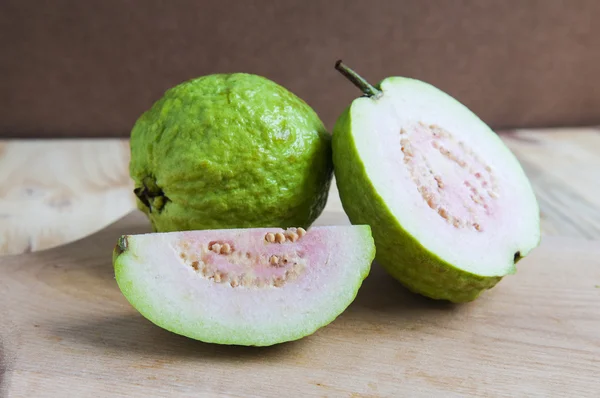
<point x="244" y="286"/>
<point x="450" y="207"/>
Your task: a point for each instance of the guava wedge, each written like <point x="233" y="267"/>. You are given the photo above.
<point x="253" y="287"/>
<point x="450" y="207"/>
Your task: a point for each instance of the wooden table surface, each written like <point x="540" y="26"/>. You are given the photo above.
<point x="56" y="191"/>
<point x="66" y="330"/>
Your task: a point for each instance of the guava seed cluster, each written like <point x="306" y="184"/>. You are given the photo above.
<point x="291" y="234"/>
<point x="466" y="200"/>
<point x="220" y="262"/>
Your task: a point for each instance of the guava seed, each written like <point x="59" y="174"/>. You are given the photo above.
<point x="226" y="248"/>
<point x="431" y="202"/>
<point x="279" y="237"/>
<point x="270" y="237"/>
<point x="278" y="282"/>
<point x="443" y="212"/>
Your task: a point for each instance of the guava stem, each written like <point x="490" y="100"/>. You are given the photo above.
<point x="122" y="244"/>
<point x="357" y="80"/>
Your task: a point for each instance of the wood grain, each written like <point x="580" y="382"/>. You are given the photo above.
<point x="56" y="191"/>
<point x="563" y="165"/>
<point x="68" y="332"/>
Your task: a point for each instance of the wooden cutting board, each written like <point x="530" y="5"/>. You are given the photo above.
<point x="66" y="331"/>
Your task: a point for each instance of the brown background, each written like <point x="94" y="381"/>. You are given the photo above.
<point x="89" y="68"/>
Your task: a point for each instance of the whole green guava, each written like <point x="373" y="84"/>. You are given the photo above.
<point x="230" y="151"/>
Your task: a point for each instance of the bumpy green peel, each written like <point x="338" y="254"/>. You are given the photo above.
<point x="227" y="151"/>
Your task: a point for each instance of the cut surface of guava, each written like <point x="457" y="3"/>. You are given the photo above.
<point x="450" y="206"/>
<point x="244" y="286"/>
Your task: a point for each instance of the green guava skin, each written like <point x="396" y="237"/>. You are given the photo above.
<point x="403" y="257"/>
<point x="230" y="151"/>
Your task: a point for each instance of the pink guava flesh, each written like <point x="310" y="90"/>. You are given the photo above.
<point x="250" y="259"/>
<point x="450" y="177"/>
